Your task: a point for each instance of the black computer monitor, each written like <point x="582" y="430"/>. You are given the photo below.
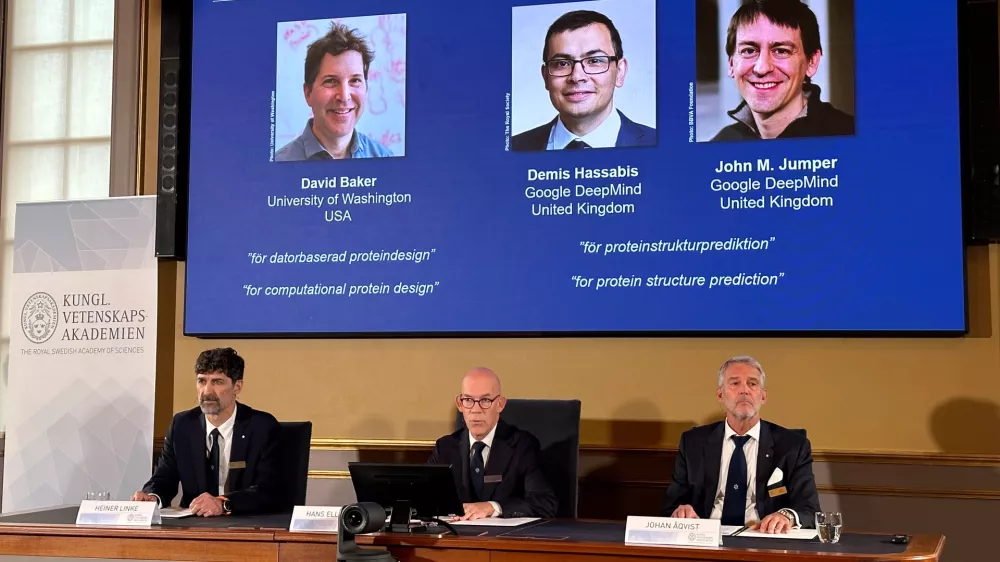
<point x="429" y="490"/>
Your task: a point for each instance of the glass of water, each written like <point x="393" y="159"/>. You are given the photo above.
<point x="99" y="496"/>
<point x="828" y="524"/>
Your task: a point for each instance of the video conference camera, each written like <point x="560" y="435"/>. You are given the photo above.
<point x="358" y="519"/>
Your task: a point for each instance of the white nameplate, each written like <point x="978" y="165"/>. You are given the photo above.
<point x="673" y="532"/>
<point x="129" y="514"/>
<point x="315" y="518"/>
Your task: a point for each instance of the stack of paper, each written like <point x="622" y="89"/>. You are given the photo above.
<point x="174" y="513"/>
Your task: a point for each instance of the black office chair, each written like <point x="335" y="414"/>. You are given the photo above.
<point x="556" y="424"/>
<point x="293" y="456"/>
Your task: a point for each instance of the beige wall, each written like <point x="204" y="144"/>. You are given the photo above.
<point x="860" y="394"/>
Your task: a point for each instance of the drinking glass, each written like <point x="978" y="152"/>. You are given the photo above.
<point x="828" y="524"/>
<point x="99" y="496"/>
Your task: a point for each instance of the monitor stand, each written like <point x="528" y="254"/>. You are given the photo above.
<point x="399" y="521"/>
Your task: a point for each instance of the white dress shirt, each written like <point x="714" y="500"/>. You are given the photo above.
<point x="604" y="136"/>
<point x="750" y="452"/>
<point x="225" y="446"/>
<point x="488" y="440"/>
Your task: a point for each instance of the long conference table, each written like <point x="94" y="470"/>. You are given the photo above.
<point x="53" y="533"/>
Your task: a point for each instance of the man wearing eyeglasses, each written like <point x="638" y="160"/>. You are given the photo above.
<point x="495" y="464"/>
<point x="582" y="65"/>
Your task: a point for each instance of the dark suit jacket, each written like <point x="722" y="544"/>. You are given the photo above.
<point x="255" y="488"/>
<point x="522" y="491"/>
<point x="630" y="134"/>
<point x="699" y="457"/>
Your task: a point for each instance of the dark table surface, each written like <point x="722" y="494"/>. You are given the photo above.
<point x="67" y="516"/>
<point x="555" y="529"/>
<point x="614" y="532"/>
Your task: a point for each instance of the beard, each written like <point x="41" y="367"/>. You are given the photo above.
<point x="210" y="406"/>
<point x="744" y="414"/>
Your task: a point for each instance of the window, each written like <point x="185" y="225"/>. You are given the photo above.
<point x="56" y="116"/>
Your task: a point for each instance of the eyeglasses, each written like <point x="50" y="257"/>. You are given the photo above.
<point x="591" y="65"/>
<point x="484" y="403"/>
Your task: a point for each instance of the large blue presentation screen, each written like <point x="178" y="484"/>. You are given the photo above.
<point x="610" y="166"/>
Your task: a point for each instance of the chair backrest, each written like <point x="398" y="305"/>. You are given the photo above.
<point x="293" y="458"/>
<point x="556" y="425"/>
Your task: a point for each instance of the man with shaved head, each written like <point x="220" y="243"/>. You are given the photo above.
<point x="495" y="464"/>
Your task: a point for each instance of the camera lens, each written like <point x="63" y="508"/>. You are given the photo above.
<point x="360" y="518"/>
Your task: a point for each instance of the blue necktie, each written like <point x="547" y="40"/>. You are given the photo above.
<point x="477" y="468"/>
<point x="576" y="144"/>
<point x="734" y="506"/>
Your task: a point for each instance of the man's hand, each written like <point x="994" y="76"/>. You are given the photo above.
<point x="206" y="505"/>
<point x="685" y="512"/>
<point x="480" y="510"/>
<point x="774" y="524"/>
<point x="141" y="496"/>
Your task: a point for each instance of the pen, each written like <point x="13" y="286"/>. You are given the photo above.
<point x="740" y="530"/>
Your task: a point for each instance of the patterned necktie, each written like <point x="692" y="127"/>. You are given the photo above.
<point x="734" y="506"/>
<point x="213" y="465"/>
<point x="477" y="468"/>
<point x="576" y="144"/>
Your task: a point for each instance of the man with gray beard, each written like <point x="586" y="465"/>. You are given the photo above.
<point x="744" y="471"/>
<point x="223" y="453"/>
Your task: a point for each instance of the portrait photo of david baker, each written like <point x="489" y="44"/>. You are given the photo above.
<point x="584" y="70"/>
<point x="770" y="80"/>
<point x="337" y="81"/>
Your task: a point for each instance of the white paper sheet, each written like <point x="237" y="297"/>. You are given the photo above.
<point x="799" y="534"/>
<point x="497" y="522"/>
<point x="174" y="513"/>
<point x="730" y="529"/>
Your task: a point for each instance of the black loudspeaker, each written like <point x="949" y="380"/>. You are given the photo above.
<point x="175" y="115"/>
<point x="981" y="119"/>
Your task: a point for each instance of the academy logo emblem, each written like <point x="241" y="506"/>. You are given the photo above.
<point x="39" y="317"/>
